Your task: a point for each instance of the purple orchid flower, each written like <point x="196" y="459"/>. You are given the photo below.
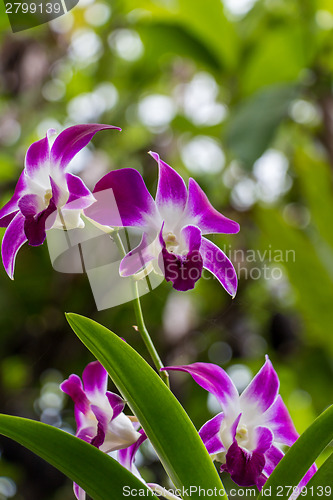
<point x="173" y="226"/>
<point x="247" y="435"/>
<point x="99" y="413"/>
<point x="44" y="188"/>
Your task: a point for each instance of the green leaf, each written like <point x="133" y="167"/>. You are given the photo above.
<point x="321" y="480"/>
<point x="161" y="39"/>
<point x="300" y="456"/>
<point x="279" y="60"/>
<point x="93" y="470"/>
<point x="165" y="422"/>
<point x="253" y="125"/>
<point x="203" y="20"/>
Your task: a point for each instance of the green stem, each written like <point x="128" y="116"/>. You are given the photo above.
<point x="147" y="339"/>
<point x="140" y="321"/>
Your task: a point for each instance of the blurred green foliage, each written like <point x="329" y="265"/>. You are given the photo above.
<point x="237" y="94"/>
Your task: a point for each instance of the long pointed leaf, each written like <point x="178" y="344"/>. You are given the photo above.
<point x="300" y="456"/>
<point x="99" y="475"/>
<point x="164" y="420"/>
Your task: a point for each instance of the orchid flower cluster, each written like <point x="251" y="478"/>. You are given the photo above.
<point x="48" y="196"/>
<point x="249" y="435"/>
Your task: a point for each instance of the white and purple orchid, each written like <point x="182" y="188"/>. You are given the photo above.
<point x="44" y="188"/>
<point x="99" y="413"/>
<point x="101" y="422"/>
<point x="246" y="437"/>
<point x="173" y="226"/>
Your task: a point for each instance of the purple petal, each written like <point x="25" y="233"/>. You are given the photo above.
<point x="277" y="418"/>
<point x="273" y="456"/>
<point x="116" y="402"/>
<point x="38" y="155"/>
<point x="29" y="205"/>
<point x="122" y="200"/>
<point x="215" y="380"/>
<point x="79" y="492"/>
<point x="13" y="239"/>
<point x="102" y="425"/>
<point x="8" y="212"/>
<point x="126" y="456"/>
<point x="263" y="438"/>
<point x="192" y="237"/>
<point x="260" y="394"/>
<point x="244" y="467"/>
<point x="72" y="140"/>
<point x="87" y="433"/>
<point x="35" y="226"/>
<point x="204" y="214"/>
<point x="95" y="379"/>
<point x="56" y="192"/>
<point x="210" y="434"/>
<point x="215" y="261"/>
<point x="234" y="426"/>
<point x="73" y="387"/>
<point x="79" y="195"/>
<point x="182" y="271"/>
<point x="171" y="190"/>
<point x="137" y="258"/>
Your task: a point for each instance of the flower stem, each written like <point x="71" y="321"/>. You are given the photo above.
<point x="147" y="339"/>
<point x="140" y="321"/>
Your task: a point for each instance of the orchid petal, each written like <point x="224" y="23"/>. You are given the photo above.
<point x="126" y="455"/>
<point x="120" y="434"/>
<point x="273" y="457"/>
<point x="73" y="387"/>
<point x="116" y="402"/>
<point x="79" y="195"/>
<point x="13" y="239"/>
<point x="56" y="192"/>
<point x="122" y="199"/>
<point x="137" y="258"/>
<point x="171" y="195"/>
<point x="72" y="140"/>
<point x="30" y="205"/>
<point x="244" y="467"/>
<point x="192" y="237"/>
<point x="263" y="438"/>
<point x="277" y="418"/>
<point x="260" y="394"/>
<point x="8" y="211"/>
<point x="95" y="380"/>
<point x="205" y="215"/>
<point x="210" y="434"/>
<point x="102" y="425"/>
<point x="38" y="156"/>
<point x="35" y="226"/>
<point x="234" y="426"/>
<point x="215" y="261"/>
<point x="215" y="380"/>
<point x="79" y="492"/>
<point x="182" y="270"/>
